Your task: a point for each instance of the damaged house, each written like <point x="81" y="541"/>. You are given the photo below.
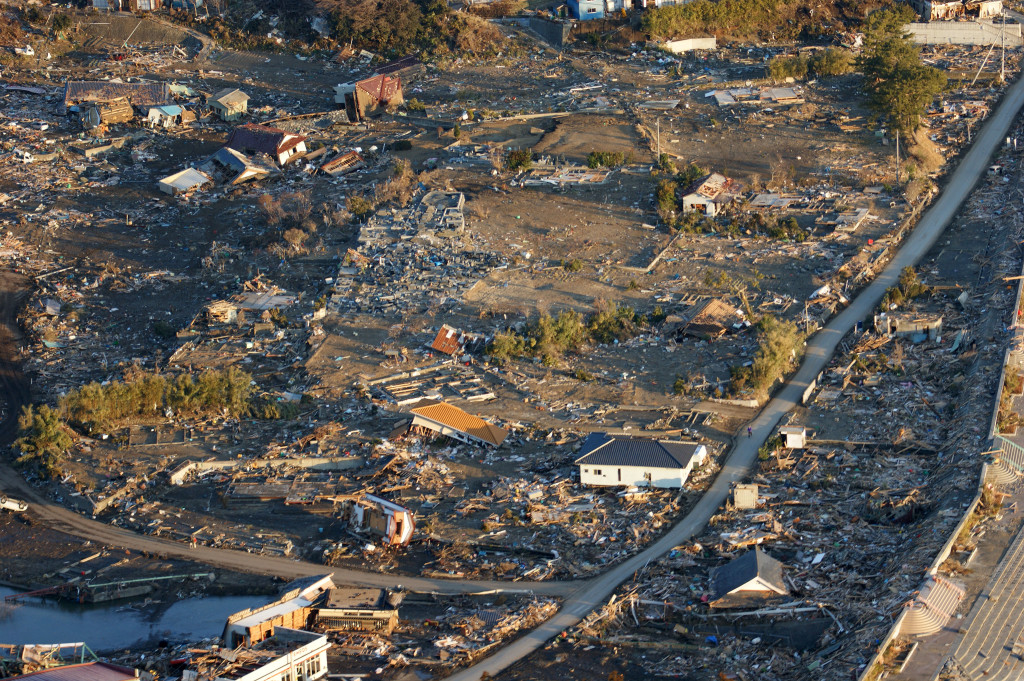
<point x="370" y="514"/>
<point x="455" y="342"/>
<point x="280" y="145"/>
<point x="917" y="329"/>
<point x="230" y="104"/>
<point x="289" y="654"/>
<point x="708" y="319"/>
<point x="450" y="421"/>
<point x="613" y="460"/>
<point x="710" y="194"/>
<point x="368" y="96"/>
<point x="747" y="581"/>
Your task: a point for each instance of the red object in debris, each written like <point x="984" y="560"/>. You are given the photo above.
<point x="871" y="242"/>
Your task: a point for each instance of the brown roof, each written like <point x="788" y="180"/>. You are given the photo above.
<point x="448" y="340"/>
<point x="383" y="88"/>
<point x="140" y="94"/>
<point x="453" y="417"/>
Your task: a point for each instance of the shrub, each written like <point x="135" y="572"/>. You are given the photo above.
<point x="831" y="62"/>
<point x="574" y="265"/>
<point x="164" y="330"/>
<point x="780" y="345"/>
<point x="605" y="159"/>
<point x="781" y="68"/>
<point x="519" y="159"/>
<point x="908" y="287"/>
<point x="414" y="104"/>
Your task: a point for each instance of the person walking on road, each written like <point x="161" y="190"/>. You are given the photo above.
<point x="750" y="432"/>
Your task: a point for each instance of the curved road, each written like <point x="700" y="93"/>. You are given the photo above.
<point x="581" y="597"/>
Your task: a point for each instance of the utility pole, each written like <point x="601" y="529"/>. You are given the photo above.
<point x="897" y="157"/>
<point x="658" y="121"/>
<point x="1002" y="45"/>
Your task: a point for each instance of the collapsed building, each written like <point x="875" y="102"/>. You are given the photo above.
<point x="369" y="96"/>
<point x="933" y="10"/>
<point x="317" y="604"/>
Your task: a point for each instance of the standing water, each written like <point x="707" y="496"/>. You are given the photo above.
<point x="116" y="626"/>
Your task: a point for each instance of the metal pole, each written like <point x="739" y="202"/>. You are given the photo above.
<point x="897" y="157"/>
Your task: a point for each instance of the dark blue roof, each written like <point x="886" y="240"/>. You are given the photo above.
<point x="602" y="449"/>
<point x="742" y="569"/>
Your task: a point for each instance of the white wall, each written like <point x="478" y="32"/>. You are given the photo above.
<point x="305" y="663"/>
<point x="638" y="475"/>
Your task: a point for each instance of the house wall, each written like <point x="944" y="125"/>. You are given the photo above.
<point x="586" y="10"/>
<point x="226" y="113"/>
<point x="612" y="476"/>
<point x="699" y="204"/>
<point x="299" y="148"/>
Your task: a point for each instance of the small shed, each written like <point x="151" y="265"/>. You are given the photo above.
<point x="230" y="104"/>
<point x="184" y="181"/>
<point x="744" y="496"/>
<point x="793" y="437"/>
<point x="170" y="116"/>
<point x="747" y="581"/>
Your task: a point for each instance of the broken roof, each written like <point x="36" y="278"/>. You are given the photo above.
<point x="140" y="94"/>
<point x="263" y="138"/>
<point x="711" y="185"/>
<point x="752" y="565"/>
<point x="602" y="449"/>
<point x="229" y="97"/>
<point x="381" y="88"/>
<point x="453" y="417"/>
<point x="89" y="671"/>
<point x="184" y="180"/>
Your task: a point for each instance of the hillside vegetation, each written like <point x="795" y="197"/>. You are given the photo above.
<point x="768" y="20"/>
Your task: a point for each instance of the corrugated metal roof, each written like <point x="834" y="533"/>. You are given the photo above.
<point x="601" y="449"/>
<point x="453" y="417"/>
<point x="90" y="671"/>
<point x="448" y="340"/>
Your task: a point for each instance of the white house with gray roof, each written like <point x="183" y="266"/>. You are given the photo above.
<point x="613" y="460"/>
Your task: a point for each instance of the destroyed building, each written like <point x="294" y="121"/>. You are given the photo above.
<point x="315" y="602"/>
<point x="234" y="167"/>
<point x="342" y="164"/>
<point x="86" y="671"/>
<point x="170" y="116"/>
<point x="366" y="97"/>
<point x="183" y="182"/>
<point x="278" y="144"/>
<point x="290" y="654"/>
<point x="709" y="195"/>
<point x="707" y="319"/>
<point x="455" y="342"/>
<point x="143" y="95"/>
<point x="935" y="10"/>
<point x="450" y="421"/>
<point x="95" y="114"/>
<point x="230" y="104"/>
<point x="747" y="581"/>
<point x="612" y="460"/>
<point x="379" y="517"/>
<point x="916" y="328"/>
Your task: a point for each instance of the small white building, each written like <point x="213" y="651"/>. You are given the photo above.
<point x="183" y="182"/>
<point x="612" y="461"/>
<point x="793" y="437"/>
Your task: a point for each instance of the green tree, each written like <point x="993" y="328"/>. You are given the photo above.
<point x="665" y="195"/>
<point x="43" y="441"/>
<point x="898" y="85"/>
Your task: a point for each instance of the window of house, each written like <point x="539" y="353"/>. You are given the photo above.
<point x="620" y="475"/>
<point x="591" y="10"/>
<point x="597" y="471"/>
